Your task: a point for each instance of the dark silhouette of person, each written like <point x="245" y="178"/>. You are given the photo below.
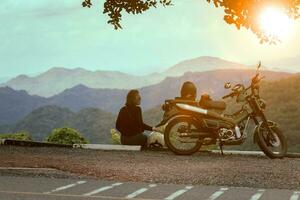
<point x="130" y="121"/>
<point x="188" y="91"/>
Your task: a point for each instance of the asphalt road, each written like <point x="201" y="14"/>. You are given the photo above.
<point x="43" y="188"/>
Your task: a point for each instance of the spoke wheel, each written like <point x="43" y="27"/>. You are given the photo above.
<point x="181" y="136"/>
<point x="273" y="143"/>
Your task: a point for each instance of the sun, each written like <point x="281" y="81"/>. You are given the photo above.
<point x="275" y="23"/>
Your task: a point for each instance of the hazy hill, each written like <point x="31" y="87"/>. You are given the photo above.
<point x="4" y="79"/>
<point x="291" y="64"/>
<point x="58" y="79"/>
<point x="204" y="63"/>
<point x="41" y="121"/>
<point x="211" y="82"/>
<point x="16" y="104"/>
<point x="94" y="124"/>
<point x="283" y="106"/>
<point x="81" y="96"/>
<point x="111" y="100"/>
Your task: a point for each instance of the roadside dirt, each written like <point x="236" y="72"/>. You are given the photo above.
<point x="160" y="167"/>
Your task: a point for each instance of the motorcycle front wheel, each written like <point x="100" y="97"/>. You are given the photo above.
<point x="180" y="136"/>
<point x="273" y="144"/>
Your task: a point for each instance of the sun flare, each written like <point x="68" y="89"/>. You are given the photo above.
<point x="275" y="23"/>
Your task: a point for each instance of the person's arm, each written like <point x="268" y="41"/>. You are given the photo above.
<point x="121" y="122"/>
<point x="145" y="126"/>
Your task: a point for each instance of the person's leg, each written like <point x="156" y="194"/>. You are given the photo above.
<point x="139" y="139"/>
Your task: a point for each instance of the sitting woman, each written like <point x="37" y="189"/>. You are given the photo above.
<point x="130" y="121"/>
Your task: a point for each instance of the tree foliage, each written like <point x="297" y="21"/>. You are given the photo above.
<point x="241" y="13"/>
<point x="66" y="136"/>
<point x="114" y="8"/>
<point x="17" y="136"/>
<point x="94" y="124"/>
<point x="245" y="14"/>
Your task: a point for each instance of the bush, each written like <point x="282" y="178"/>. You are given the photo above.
<point x="66" y="136"/>
<point x="115" y="136"/>
<point x="17" y="136"/>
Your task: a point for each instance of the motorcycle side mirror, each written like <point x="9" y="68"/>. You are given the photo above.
<point x="258" y="66"/>
<point x="227" y="85"/>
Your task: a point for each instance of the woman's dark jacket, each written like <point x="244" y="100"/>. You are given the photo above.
<point x="130" y="121"/>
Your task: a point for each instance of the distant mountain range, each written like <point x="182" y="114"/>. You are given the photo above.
<point x="201" y="64"/>
<point x="4" y="79"/>
<point x="58" y="79"/>
<point x="291" y="64"/>
<point x="17" y="104"/>
<point x="283" y="106"/>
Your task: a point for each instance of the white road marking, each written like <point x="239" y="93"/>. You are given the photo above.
<point x="102" y="189"/>
<point x="140" y="191"/>
<point x="217" y="194"/>
<point x="258" y="194"/>
<point x="178" y="193"/>
<point x="295" y="195"/>
<point x="58" y="196"/>
<point x="66" y="187"/>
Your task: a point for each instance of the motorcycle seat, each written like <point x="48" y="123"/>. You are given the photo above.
<point x="184" y="101"/>
<point x="207" y="103"/>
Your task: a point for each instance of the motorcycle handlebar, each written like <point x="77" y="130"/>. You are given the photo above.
<point x="229" y="95"/>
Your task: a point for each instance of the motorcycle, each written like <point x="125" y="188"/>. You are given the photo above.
<point x="188" y="125"/>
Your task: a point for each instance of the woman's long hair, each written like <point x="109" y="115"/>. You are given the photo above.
<point x="131" y="97"/>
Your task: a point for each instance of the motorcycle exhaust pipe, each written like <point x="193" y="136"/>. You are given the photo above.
<point x="205" y="112"/>
<point x="195" y="135"/>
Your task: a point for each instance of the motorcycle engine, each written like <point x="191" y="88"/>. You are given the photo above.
<point x="226" y="134"/>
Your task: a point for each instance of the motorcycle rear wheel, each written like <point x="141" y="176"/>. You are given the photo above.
<point x="173" y="140"/>
<point x="266" y="143"/>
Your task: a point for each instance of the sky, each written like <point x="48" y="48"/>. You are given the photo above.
<point x="38" y="35"/>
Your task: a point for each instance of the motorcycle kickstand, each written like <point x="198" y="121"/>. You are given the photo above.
<point x="221" y="148"/>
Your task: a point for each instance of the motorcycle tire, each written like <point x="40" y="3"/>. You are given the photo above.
<point x="167" y="136"/>
<point x="264" y="145"/>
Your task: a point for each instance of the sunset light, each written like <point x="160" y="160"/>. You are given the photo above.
<point x="275" y="23"/>
<point x="150" y="99"/>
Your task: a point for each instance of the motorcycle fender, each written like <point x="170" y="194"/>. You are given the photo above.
<point x="257" y="127"/>
<point x="162" y="125"/>
<point x="166" y="121"/>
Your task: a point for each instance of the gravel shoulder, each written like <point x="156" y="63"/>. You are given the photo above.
<point x="158" y="166"/>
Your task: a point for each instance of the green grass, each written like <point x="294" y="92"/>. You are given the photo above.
<point x="16" y="136"/>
